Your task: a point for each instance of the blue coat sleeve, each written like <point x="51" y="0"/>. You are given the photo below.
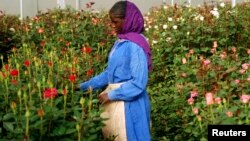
<point x="96" y="82"/>
<point x="139" y="72"/>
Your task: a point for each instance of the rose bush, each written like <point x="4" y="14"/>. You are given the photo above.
<point x="201" y="60"/>
<point x="57" y="50"/>
<point x="201" y="72"/>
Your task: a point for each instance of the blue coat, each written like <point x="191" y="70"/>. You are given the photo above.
<point x="127" y="63"/>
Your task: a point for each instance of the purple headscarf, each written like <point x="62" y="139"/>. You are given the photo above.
<point x="133" y="27"/>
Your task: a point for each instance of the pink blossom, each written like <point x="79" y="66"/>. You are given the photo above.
<point x="237" y="81"/>
<point x="248" y="79"/>
<point x="229" y="113"/>
<point x="248" y="51"/>
<point x="193" y="94"/>
<point x="217" y="100"/>
<point x="223" y="55"/>
<point x="190" y="101"/>
<point x="213" y="50"/>
<point x="215" y="44"/>
<point x="184" y="60"/>
<point x="234" y="49"/>
<point x="209" y="98"/>
<point x="184" y="74"/>
<point x="245" y="66"/>
<point x="242" y="71"/>
<point x="245" y="98"/>
<point x="191" y="51"/>
<point x="201" y="57"/>
<point x="206" y="62"/>
<point x="195" y="110"/>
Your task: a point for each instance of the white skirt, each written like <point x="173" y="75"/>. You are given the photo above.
<point x="115" y="114"/>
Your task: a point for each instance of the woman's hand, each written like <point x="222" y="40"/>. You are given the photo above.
<point x="103" y="98"/>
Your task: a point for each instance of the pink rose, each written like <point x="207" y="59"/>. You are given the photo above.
<point x="190" y="101"/>
<point x="248" y="79"/>
<point x="248" y="51"/>
<point x="195" y="110"/>
<point x="215" y="44"/>
<point x="229" y="113"/>
<point x="217" y="100"/>
<point x="191" y="51"/>
<point x="209" y="98"/>
<point x="237" y="81"/>
<point x="245" y="98"/>
<point x="234" y="49"/>
<point x="223" y="55"/>
<point x="245" y="66"/>
<point x="193" y="94"/>
<point x="206" y="62"/>
<point x="184" y="60"/>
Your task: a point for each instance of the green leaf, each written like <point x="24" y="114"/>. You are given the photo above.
<point x="70" y="131"/>
<point x="59" y="131"/>
<point x="8" y="116"/>
<point x="228" y="121"/>
<point x="8" y="126"/>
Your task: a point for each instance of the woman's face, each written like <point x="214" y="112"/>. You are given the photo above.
<point x="117" y="23"/>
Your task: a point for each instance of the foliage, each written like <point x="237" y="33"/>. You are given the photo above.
<point x="200" y="77"/>
<point x="58" y="50"/>
<point x="8" y="40"/>
<point x="202" y="51"/>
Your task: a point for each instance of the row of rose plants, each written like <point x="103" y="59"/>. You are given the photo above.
<point x="201" y="59"/>
<point x="200" y="77"/>
<point x="39" y="96"/>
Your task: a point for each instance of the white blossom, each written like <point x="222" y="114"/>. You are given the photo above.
<point x="170" y="19"/>
<point x="168" y="39"/>
<point x="165" y="26"/>
<point x="12" y="29"/>
<point x="175" y="27"/>
<point x="201" y="18"/>
<point x="215" y="12"/>
<point x="222" y="4"/>
<point x="154" y="42"/>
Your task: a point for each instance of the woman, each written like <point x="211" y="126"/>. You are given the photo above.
<point x="126" y="102"/>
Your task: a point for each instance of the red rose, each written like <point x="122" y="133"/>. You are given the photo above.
<point x="14" y="72"/>
<point x="27" y="63"/>
<point x="86" y="49"/>
<point x="90" y="72"/>
<point x="72" y="78"/>
<point x="6" y="67"/>
<point x="50" y="93"/>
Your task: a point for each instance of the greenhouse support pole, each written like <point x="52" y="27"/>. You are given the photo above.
<point x="172" y="2"/>
<point x="233" y="3"/>
<point x="189" y="2"/>
<point x="21" y="9"/>
<point x="77" y="4"/>
<point x="37" y="6"/>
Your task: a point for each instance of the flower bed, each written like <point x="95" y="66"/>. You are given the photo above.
<point x="201" y="72"/>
